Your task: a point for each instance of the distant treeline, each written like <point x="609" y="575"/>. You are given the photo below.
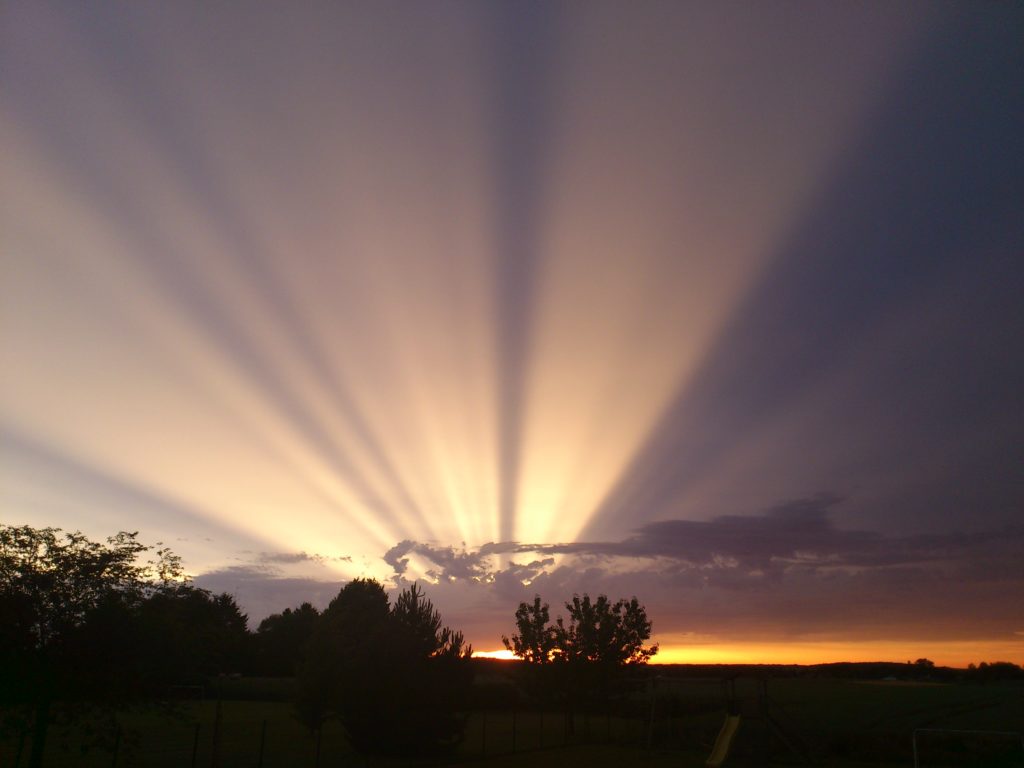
<point x="921" y="670"/>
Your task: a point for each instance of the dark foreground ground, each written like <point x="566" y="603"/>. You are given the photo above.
<point x="672" y="721"/>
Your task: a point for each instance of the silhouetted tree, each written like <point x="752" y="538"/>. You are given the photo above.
<point x="281" y="639"/>
<point x="536" y="640"/>
<point x="605" y="633"/>
<point x="996" y="671"/>
<point x="91" y="627"/>
<point x="436" y="676"/>
<point x="394" y="675"/>
<point x="191" y="634"/>
<point x="583" y="658"/>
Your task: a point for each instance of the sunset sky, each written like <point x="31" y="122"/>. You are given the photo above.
<point x="716" y="304"/>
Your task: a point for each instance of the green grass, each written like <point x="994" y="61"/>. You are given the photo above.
<point x="846" y="723"/>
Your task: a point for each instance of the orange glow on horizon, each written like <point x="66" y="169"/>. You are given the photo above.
<point x="953" y="653"/>
<point x="503" y="655"/>
<point x="957" y="654"/>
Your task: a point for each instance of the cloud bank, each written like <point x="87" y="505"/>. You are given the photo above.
<point x="785" y="572"/>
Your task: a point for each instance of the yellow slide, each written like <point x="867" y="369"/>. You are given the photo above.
<point x="724" y="741"/>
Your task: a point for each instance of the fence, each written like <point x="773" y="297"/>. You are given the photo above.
<point x="280" y="741"/>
<point x="847" y="720"/>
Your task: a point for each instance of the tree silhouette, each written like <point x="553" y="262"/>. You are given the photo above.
<point x="281" y="640"/>
<point x="605" y="633"/>
<point x="598" y="631"/>
<point x="536" y="640"/>
<point x="394" y="675"/>
<point x="582" y="659"/>
<point x="89" y="627"/>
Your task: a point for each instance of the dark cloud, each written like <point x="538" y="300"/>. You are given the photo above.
<point x="290" y="558"/>
<point x="788" y="570"/>
<point x="452" y="563"/>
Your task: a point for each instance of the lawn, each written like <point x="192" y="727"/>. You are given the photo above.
<point x="841" y="723"/>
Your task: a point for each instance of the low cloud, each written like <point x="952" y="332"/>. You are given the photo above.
<point x="786" y="572"/>
<point x="291" y="558"/>
<point x="789" y="570"/>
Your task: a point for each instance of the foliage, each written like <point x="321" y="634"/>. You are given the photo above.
<point x="536" y="640"/>
<point x="50" y="581"/>
<point x="394" y="675"/>
<point x="605" y="633"/>
<point x="90" y="627"/>
<point x="281" y="639"/>
<point x="997" y="670"/>
<point x="583" y="658"/>
<point x="598" y="631"/>
<point x="192" y="634"/>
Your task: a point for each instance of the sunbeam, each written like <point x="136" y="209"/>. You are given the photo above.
<point x="449" y="292"/>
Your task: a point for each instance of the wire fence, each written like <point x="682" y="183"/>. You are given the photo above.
<point x="282" y="741"/>
<point x="799" y="722"/>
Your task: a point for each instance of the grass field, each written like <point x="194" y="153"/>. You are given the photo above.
<point x="836" y="722"/>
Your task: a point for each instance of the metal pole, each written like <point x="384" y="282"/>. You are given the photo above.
<point x="195" y="746"/>
<point x="21" y="748"/>
<point x="483" y="734"/>
<point x="542" y="728"/>
<point x="319" y="735"/>
<point x="39" y="729"/>
<point x="650" y="723"/>
<point x="215" y="752"/>
<point x="263" y="743"/>
<point x="117" y="747"/>
<point x="513" y="731"/>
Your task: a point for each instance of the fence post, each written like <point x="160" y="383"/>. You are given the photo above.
<point x="215" y="751"/>
<point x="263" y="743"/>
<point x="650" y="724"/>
<point x="39" y="729"/>
<point x="195" y="746"/>
<point x="117" y="747"/>
<point x="21" y="748"/>
<point x="483" y="734"/>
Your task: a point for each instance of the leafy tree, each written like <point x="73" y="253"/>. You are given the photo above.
<point x="347" y="656"/>
<point x="536" y="640"/>
<point x="582" y="658"/>
<point x="281" y="639"/>
<point x="603" y="632"/>
<point x="598" y="631"/>
<point x="997" y="670"/>
<point x="191" y="634"/>
<point x="89" y="627"/>
<point x="394" y="675"/>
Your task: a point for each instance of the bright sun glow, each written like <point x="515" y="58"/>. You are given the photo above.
<point x="503" y="654"/>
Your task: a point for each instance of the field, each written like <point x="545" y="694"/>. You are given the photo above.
<point x="667" y="722"/>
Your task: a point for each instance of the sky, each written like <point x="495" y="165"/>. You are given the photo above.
<point x="714" y="304"/>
